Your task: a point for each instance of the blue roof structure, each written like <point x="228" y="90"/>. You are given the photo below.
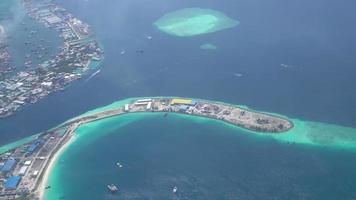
<point x="34" y="146"/>
<point x="9" y="164"/>
<point x="12" y="182"/>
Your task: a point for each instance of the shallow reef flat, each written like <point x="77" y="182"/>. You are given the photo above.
<point x="194" y="21"/>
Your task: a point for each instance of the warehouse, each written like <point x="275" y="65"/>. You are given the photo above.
<point x="8" y="166"/>
<point x="188" y="102"/>
<point x="23" y="170"/>
<point x="12" y="183"/>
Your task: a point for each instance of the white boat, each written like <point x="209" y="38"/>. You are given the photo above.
<point x="118" y="164"/>
<point x="113" y="188"/>
<point x="238" y="74"/>
<point x="175" y="190"/>
<point x="122" y="52"/>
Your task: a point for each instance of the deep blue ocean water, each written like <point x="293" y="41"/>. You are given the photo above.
<point x="315" y="39"/>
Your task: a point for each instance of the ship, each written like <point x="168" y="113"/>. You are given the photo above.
<point x="175" y="190"/>
<point x="112" y="188"/>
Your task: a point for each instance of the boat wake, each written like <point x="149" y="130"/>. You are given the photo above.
<point x="2" y="34"/>
<point x="92" y="76"/>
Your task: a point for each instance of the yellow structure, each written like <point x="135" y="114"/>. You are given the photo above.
<point x="181" y="102"/>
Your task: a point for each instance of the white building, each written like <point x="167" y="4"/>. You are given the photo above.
<point x="23" y="170"/>
<point x="28" y="162"/>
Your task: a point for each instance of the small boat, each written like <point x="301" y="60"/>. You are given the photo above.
<point x="238" y="74"/>
<point x="175" y="190"/>
<point x="118" y="164"/>
<point x="165" y="115"/>
<point x="47" y="187"/>
<point x="122" y="52"/>
<point x="112" y="188"/>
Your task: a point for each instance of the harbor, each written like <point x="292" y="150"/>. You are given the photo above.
<point x="79" y="55"/>
<point x="24" y="169"/>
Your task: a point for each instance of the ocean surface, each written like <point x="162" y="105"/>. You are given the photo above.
<point x="205" y="159"/>
<point x="296" y="58"/>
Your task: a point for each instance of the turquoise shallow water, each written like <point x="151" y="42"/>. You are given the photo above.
<point x="304" y="132"/>
<point x="246" y="165"/>
<point x="89" y="148"/>
<point x="205" y="158"/>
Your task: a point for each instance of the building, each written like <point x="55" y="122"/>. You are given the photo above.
<point x="28" y="162"/>
<point x="183" y="108"/>
<point x="35" y="173"/>
<point x="12" y="183"/>
<point x="53" y="19"/>
<point x="8" y="165"/>
<point x="34" y="146"/>
<point x="126" y="108"/>
<point x="143" y="102"/>
<point x="149" y="106"/>
<point x="23" y="170"/>
<point x="188" y="102"/>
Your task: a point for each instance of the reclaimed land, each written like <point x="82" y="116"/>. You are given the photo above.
<point x="33" y="161"/>
<point x="24" y="170"/>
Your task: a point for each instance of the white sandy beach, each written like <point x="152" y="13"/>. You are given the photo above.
<point x="42" y="185"/>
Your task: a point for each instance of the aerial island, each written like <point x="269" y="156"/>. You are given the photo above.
<point x="24" y="169"/>
<point x="81" y="53"/>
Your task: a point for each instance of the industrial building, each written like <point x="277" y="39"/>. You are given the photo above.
<point x="34" y="146"/>
<point x="183" y="108"/>
<point x="35" y="173"/>
<point x="8" y="165"/>
<point x="28" y="162"/>
<point x="188" y="102"/>
<point x="127" y="108"/>
<point x="149" y="106"/>
<point x="23" y="170"/>
<point x="12" y="182"/>
<point x="143" y="102"/>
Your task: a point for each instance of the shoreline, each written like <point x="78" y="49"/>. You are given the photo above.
<point x="61" y="69"/>
<point x="40" y="191"/>
<point x="153" y="105"/>
<point x="56" y="140"/>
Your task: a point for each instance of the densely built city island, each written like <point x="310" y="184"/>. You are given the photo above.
<point x="80" y="54"/>
<point x="23" y="169"/>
